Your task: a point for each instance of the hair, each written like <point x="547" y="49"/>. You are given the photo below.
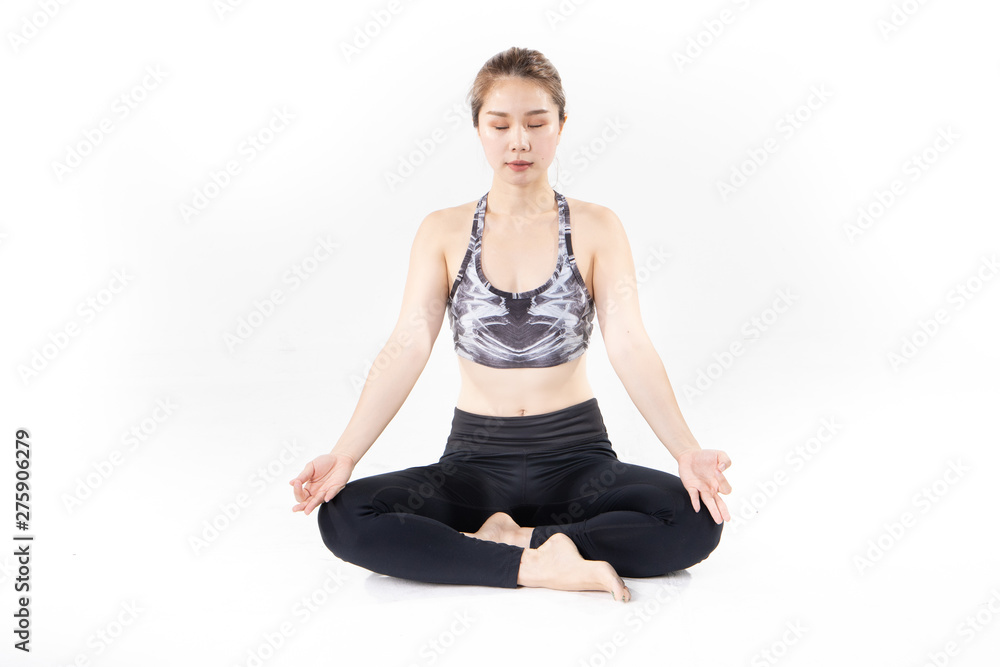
<point x="516" y="62"/>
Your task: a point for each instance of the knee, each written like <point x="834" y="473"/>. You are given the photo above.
<point x="711" y="532"/>
<point x="703" y="535"/>
<point x="337" y="521"/>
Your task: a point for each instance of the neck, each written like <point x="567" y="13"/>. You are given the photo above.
<point x="529" y="200"/>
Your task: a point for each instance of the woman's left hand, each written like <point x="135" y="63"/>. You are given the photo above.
<point x="700" y="471"/>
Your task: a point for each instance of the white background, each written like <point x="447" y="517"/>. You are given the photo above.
<point x="283" y="395"/>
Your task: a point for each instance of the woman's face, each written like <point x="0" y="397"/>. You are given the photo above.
<point x="512" y="130"/>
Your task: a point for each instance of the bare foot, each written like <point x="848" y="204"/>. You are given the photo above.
<point x="557" y="564"/>
<point x="500" y="527"/>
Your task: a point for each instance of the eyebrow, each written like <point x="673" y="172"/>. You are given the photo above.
<point x="535" y="112"/>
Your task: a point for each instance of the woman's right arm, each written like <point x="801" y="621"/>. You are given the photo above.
<point x="393" y="373"/>
<point x="402" y="359"/>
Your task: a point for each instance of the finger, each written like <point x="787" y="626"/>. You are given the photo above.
<point x="725" y="510"/>
<point x="724" y="461"/>
<point x="318" y="499"/>
<point x="305" y="492"/>
<point x="724" y="485"/>
<point x="300" y="493"/>
<point x="299" y="507"/>
<point x="694" y="499"/>
<point x="332" y="492"/>
<point x="713" y="509"/>
<point x="305" y="475"/>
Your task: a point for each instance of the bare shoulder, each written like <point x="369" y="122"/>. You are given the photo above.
<point x="449" y="229"/>
<point x="442" y="227"/>
<point x="446" y="222"/>
<point x="593" y="225"/>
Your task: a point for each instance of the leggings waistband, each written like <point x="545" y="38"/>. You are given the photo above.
<point x="577" y="424"/>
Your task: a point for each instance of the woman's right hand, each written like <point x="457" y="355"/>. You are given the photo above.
<point x="321" y="480"/>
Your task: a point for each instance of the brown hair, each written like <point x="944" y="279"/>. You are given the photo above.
<point x="517" y="62"/>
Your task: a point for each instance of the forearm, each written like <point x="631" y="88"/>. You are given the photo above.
<point x="389" y="382"/>
<point x="641" y="371"/>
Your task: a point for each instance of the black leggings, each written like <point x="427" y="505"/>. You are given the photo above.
<point x="554" y="471"/>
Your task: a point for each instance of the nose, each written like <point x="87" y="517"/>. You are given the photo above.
<point x="519" y="139"/>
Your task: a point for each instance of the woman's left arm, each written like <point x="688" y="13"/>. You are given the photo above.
<point x="641" y="370"/>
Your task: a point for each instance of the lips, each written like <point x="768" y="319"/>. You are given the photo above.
<point x="519" y="162"/>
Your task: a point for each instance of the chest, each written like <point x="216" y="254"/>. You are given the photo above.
<point x="520" y="258"/>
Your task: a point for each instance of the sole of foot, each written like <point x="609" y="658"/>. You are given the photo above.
<point x="501" y="527"/>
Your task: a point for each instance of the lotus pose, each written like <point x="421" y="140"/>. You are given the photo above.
<point x="528" y="490"/>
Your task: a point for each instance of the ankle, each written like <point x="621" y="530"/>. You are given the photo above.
<point x="528" y="573"/>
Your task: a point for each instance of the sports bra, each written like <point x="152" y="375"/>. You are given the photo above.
<point x="542" y="327"/>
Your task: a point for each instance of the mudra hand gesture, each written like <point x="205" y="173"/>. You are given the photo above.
<point x="325" y="476"/>
<point x="700" y="471"/>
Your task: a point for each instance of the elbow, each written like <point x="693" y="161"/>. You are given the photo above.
<point x="415" y="349"/>
<point x="413" y="341"/>
<point x="631" y="347"/>
<point x="403" y="346"/>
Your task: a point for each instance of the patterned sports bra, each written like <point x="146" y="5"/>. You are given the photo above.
<point x="543" y="327"/>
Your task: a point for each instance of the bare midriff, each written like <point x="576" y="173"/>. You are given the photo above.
<point x="518" y="392"/>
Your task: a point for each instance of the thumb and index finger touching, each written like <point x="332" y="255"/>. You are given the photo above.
<point x="320" y="490"/>
<point x="310" y="497"/>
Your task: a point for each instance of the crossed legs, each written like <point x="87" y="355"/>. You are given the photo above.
<point x="591" y="521"/>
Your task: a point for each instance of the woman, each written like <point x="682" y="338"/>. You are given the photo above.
<point x="528" y="490"/>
